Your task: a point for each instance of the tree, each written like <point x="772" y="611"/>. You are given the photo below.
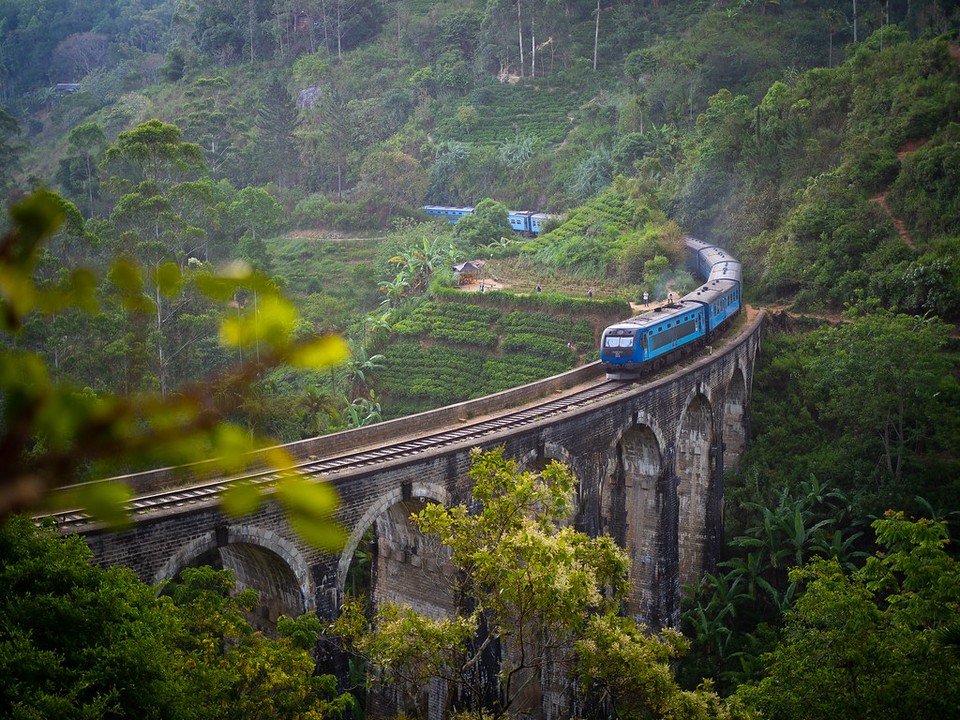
<point x="153" y="151"/>
<point x="394" y="179"/>
<point x="451" y="157"/>
<point x="9" y="151"/>
<point x="77" y="641"/>
<point x="235" y="672"/>
<point x="467" y="118"/>
<point x="870" y="643"/>
<point x="79" y="54"/>
<point x="213" y="119"/>
<point x="592" y="175"/>
<point x="256" y="211"/>
<point x="330" y="133"/>
<point x="78" y="171"/>
<point x="899" y="358"/>
<point x="83" y="642"/>
<point x="417" y="261"/>
<point x="533" y="596"/>
<point x="487" y="223"/>
<point x="274" y="146"/>
<point x="596" y="36"/>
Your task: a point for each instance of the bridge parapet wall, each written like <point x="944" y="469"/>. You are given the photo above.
<point x="378" y="433"/>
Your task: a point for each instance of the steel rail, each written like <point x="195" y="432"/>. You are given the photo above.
<point x="144" y="505"/>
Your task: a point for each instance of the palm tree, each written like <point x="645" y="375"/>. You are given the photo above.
<point x="395" y="289"/>
<point x="358" y="366"/>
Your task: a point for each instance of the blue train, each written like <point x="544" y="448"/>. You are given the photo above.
<point x="523" y="221"/>
<point x="651" y="340"/>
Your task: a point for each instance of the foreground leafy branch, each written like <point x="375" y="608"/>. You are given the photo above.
<point x="53" y="434"/>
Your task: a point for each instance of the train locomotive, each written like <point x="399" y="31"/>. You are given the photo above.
<point x="525" y="222"/>
<point x="650" y="341"/>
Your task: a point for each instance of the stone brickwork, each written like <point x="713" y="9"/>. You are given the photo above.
<point x="649" y="466"/>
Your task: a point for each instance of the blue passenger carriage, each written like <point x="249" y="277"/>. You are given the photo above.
<point x="721" y="299"/>
<point x="450" y="213"/>
<point x="525" y="222"/>
<point x="519" y="220"/>
<point x="650" y="340"/>
<point x="538" y="220"/>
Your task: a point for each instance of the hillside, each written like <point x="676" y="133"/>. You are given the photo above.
<point x="241" y="258"/>
<point x="826" y="162"/>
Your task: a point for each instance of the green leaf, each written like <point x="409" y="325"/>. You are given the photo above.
<point x="319" y="353"/>
<point x="36" y="218"/>
<point x="19" y="292"/>
<point x="310" y="506"/>
<point x="126" y="276"/>
<point x="169" y="279"/>
<point x="231" y="444"/>
<point x="240" y="499"/>
<point x="105" y="502"/>
<point x="271" y="320"/>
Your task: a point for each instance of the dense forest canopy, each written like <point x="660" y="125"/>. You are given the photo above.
<point x="203" y="194"/>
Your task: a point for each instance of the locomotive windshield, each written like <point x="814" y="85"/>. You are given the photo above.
<point x="613" y="341"/>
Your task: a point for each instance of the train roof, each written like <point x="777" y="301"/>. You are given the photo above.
<point x="726" y="270"/>
<point x="655" y="316"/>
<point x="711" y="290"/>
<point x="721" y="263"/>
<point x="696" y="245"/>
<point x="447" y="208"/>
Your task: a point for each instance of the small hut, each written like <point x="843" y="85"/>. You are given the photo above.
<point x="468" y="272"/>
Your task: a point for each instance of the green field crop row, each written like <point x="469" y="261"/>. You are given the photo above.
<point x="544" y="347"/>
<point x="439" y="375"/>
<point x="507" y="372"/>
<point x="505" y="111"/>
<point x="455" y="346"/>
<point x="609" y="308"/>
<point x="575" y="331"/>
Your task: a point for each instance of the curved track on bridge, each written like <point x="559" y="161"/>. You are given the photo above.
<point x="363" y="458"/>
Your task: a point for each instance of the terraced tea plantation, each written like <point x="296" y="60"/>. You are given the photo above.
<point x="505" y="111"/>
<point x="447" y="352"/>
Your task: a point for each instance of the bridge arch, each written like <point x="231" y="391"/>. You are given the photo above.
<point x="405" y="563"/>
<point x="380" y="506"/>
<point x="696" y="484"/>
<point x="734" y="430"/>
<point x="260" y="558"/>
<point x="537" y="460"/>
<point x="636" y="497"/>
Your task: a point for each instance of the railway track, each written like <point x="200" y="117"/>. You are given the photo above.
<point x="475" y="432"/>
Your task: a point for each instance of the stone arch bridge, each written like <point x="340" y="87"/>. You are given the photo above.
<point x="649" y="462"/>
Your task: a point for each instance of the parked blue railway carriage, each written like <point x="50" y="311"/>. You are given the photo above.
<point x="520" y="220"/>
<point x="527" y="222"/>
<point x="450" y="213"/>
<point x="537" y="221"/>
<point x="650" y="340"/>
<point x="523" y="221"/>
